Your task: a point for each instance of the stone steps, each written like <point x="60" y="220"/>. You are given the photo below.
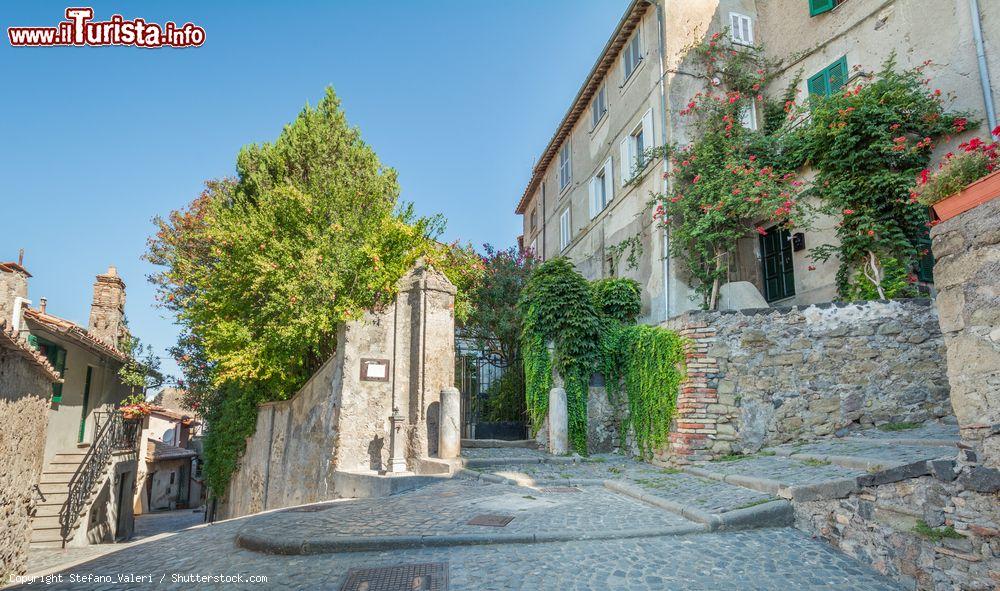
<point x="54" y="486"/>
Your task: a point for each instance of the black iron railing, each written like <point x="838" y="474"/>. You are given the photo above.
<point x="113" y="434"/>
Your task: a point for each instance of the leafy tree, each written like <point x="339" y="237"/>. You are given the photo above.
<point x="617" y="298"/>
<point x="141" y="371"/>
<point x="261" y="268"/>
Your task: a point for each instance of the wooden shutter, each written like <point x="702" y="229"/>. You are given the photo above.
<point x="626" y="164"/>
<point x="837" y="74"/>
<point x="609" y="176"/>
<point x="821" y="6"/>
<point x="647" y="132"/>
<point x="594" y="206"/>
<point x="818" y="84"/>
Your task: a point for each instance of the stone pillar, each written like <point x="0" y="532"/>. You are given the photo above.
<point x="397" y="443"/>
<point x="558" y="422"/>
<point x="967" y="276"/>
<point x="450" y="430"/>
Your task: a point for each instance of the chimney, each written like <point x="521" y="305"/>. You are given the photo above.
<point x="107" y="311"/>
<point x="42" y="302"/>
<point x="13" y="287"/>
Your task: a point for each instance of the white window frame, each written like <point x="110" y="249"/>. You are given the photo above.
<point x="631" y="150"/>
<point x="599" y="106"/>
<point x="740" y="28"/>
<point x="534" y="247"/>
<point x="631" y="56"/>
<point x="602" y="189"/>
<point x="565" y="229"/>
<point x="565" y="165"/>
<point x="748" y="117"/>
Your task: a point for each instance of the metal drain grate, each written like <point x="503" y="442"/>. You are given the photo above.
<point x="560" y="489"/>
<point x="311" y="508"/>
<point x="491" y="519"/>
<point x="430" y="576"/>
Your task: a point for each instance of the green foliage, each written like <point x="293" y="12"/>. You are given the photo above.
<point x="556" y="306"/>
<point x="647" y="363"/>
<point x="868" y="143"/>
<point x="505" y="398"/>
<point x="141" y="371"/>
<point x="261" y="269"/>
<point x="896" y="283"/>
<point x="617" y="298"/>
<point x="935" y="534"/>
<point x="890" y="427"/>
<point x="730" y="181"/>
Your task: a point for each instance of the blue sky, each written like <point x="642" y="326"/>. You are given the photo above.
<point x="459" y="97"/>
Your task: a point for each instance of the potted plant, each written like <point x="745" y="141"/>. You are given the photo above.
<point x="963" y="180"/>
<point x="135" y="407"/>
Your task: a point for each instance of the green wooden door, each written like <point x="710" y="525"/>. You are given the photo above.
<point x="86" y="402"/>
<point x="776" y="264"/>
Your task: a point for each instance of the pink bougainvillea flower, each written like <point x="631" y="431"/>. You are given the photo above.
<point x="761" y="231"/>
<point x="996" y="131"/>
<point x="848" y="211"/>
<point x="812" y="267"/>
<point x="871" y="232"/>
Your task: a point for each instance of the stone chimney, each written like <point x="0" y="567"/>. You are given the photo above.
<point x="13" y="287"/>
<point x="107" y="311"/>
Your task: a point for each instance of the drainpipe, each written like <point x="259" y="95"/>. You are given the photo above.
<point x="984" y="73"/>
<point x="663" y="137"/>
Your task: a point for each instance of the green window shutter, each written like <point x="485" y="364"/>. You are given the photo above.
<point x="821" y="6"/>
<point x="925" y="266"/>
<point x="837" y="74"/>
<point x="33" y="341"/>
<point x="817" y="84"/>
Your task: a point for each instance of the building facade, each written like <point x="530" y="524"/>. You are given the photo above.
<point x="578" y="204"/>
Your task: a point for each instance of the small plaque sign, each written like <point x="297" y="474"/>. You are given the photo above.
<point x="375" y="370"/>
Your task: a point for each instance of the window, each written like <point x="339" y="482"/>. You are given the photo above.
<point x="776" y="264"/>
<point x="820" y="6"/>
<point x="57" y="359"/>
<point x="565" y="232"/>
<point x="565" y="170"/>
<point x="631" y="57"/>
<point x="741" y="28"/>
<point x="748" y="116"/>
<point x="634" y="146"/>
<point x="534" y="218"/>
<point x="534" y="247"/>
<point x="599" y="107"/>
<point x="829" y="79"/>
<point x="601" y="189"/>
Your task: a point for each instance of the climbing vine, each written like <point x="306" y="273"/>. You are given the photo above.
<point x="868" y="143"/>
<point x="591" y="328"/>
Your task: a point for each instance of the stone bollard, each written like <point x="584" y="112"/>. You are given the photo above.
<point x="450" y="427"/>
<point x="558" y="422"/>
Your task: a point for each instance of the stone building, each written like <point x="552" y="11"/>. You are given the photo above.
<point x="26" y="380"/>
<point x="83" y="431"/>
<point x="168" y="477"/>
<point x="576" y="203"/>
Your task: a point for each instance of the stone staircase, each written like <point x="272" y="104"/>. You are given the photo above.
<point x="46" y="530"/>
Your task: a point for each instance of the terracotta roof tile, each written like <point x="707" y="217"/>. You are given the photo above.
<point x="74" y="332"/>
<point x="157" y="451"/>
<point x="11" y="341"/>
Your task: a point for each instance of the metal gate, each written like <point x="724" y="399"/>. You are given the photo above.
<point x="477" y="372"/>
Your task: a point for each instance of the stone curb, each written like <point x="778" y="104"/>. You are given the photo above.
<point x="915" y="441"/>
<point x="759" y="484"/>
<point x="527" y="482"/>
<point x="769" y="514"/>
<point x="830" y="489"/>
<point x="488" y="462"/>
<point x="853" y="462"/>
<point x="266" y="545"/>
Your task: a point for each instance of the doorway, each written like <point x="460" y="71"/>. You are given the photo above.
<point x="86" y="403"/>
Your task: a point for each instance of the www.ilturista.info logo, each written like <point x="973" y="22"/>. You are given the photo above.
<point x="80" y="29"/>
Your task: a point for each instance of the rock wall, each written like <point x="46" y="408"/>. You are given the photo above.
<point x="877" y="526"/>
<point x="338" y="422"/>
<point x="24" y="396"/>
<point x="967" y="273"/>
<point x="770" y="376"/>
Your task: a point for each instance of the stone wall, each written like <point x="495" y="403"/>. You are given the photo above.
<point x="338" y="423"/>
<point x="25" y="387"/>
<point x="770" y="376"/>
<point x="967" y="273"/>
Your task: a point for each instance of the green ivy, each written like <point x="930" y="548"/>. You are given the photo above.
<point x="647" y="363"/>
<point x="557" y="307"/>
<point x="591" y="329"/>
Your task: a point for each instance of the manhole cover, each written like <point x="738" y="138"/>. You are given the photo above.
<point x="311" y="508"/>
<point x="491" y="519"/>
<point x="431" y="576"/>
<point x="560" y="489"/>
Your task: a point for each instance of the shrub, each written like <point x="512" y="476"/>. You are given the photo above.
<point x="976" y="160"/>
<point x="617" y="298"/>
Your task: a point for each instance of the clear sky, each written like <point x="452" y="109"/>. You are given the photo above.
<point x="459" y="97"/>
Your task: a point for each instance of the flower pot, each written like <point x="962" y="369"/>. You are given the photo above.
<point x="975" y="194"/>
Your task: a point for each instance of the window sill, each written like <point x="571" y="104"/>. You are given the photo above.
<point x="600" y="123"/>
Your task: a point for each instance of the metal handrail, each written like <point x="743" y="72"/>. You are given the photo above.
<point x="116" y="434"/>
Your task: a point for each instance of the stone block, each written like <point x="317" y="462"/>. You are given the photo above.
<point x="980" y="479"/>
